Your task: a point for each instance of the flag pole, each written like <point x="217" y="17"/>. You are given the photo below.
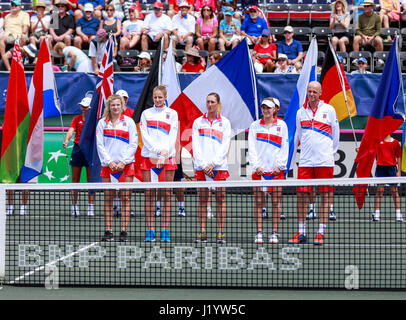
<point x="340" y="76"/>
<point x="254" y="83"/>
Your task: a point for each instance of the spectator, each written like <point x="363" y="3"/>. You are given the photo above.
<point x="78" y="160"/>
<point x="224" y="6"/>
<point x="158" y="155"/>
<point x="259" y="68"/>
<point x="16" y="26"/>
<point x="128" y="111"/>
<point x="183" y="27"/>
<point x="128" y="4"/>
<point x="39" y="24"/>
<point x="116" y="156"/>
<point x="358" y="10"/>
<point x="362" y="66"/>
<point x="75" y="59"/>
<point x="97" y="48"/>
<point x="403" y="5"/>
<point x="174" y="7"/>
<point x="291" y="47"/>
<point x="316" y="159"/>
<point x="66" y="26"/>
<point x="268" y="151"/>
<point x="214" y="57"/>
<point x="266" y="51"/>
<point x="86" y="27"/>
<point x="29" y="54"/>
<point x="283" y="67"/>
<point x="98" y="6"/>
<point x="390" y="11"/>
<point x="388" y="164"/>
<point x="131" y="30"/>
<point x="156" y="26"/>
<point x="199" y="4"/>
<point x="118" y="9"/>
<point x="193" y="62"/>
<point x="211" y="141"/>
<point x="369" y="28"/>
<point x="74" y="10"/>
<point x="111" y="24"/>
<point x="144" y="62"/>
<point x="206" y="29"/>
<point x="253" y="25"/>
<point x="340" y="21"/>
<point x="230" y="29"/>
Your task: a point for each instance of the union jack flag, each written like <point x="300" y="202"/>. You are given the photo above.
<point x="105" y="85"/>
<point x="104" y="88"/>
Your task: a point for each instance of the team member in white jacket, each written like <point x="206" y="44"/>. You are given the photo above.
<point x="268" y="151"/>
<point x="318" y="132"/>
<point x="211" y="142"/>
<point x="159" y="129"/>
<point x="116" y="140"/>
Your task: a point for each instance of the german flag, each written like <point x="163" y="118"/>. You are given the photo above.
<point x="333" y="80"/>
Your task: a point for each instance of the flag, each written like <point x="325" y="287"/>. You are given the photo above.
<point x="382" y="121"/>
<point x="157" y="175"/>
<point x="307" y="75"/>
<point x="43" y="103"/>
<point x="233" y="78"/>
<point x="169" y="77"/>
<point x="335" y="88"/>
<point x="403" y="166"/>
<point x="104" y="88"/>
<point x="16" y="121"/>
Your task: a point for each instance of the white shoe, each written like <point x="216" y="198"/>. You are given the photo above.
<point x="90" y="210"/>
<point x="376" y="217"/>
<point x="399" y="217"/>
<point x="181" y="212"/>
<point x="157" y="212"/>
<point x="259" y="238"/>
<point x="10" y="210"/>
<point x="23" y="210"/>
<point x="274" y="238"/>
<point x="75" y="210"/>
<point x="209" y="213"/>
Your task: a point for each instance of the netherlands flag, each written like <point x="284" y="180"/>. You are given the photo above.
<point x="233" y="78"/>
<point x="43" y="102"/>
<point x="308" y="74"/>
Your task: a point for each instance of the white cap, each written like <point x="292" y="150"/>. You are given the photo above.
<point x="88" y="7"/>
<point x="270" y="104"/>
<point x="282" y="56"/>
<point x="85" y="102"/>
<point x="144" y="55"/>
<point x="122" y="93"/>
<point x="184" y="4"/>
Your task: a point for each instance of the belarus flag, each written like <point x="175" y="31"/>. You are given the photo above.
<point x="43" y="103"/>
<point x="233" y="78"/>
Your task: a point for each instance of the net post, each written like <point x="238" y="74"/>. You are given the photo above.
<point x="2" y="233"/>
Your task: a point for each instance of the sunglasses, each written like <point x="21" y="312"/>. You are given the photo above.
<point x="110" y="10"/>
<point x="206" y="9"/>
<point x="253" y="11"/>
<point x="283" y="59"/>
<point x="131" y="11"/>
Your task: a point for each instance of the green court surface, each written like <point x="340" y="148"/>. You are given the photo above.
<point x="50" y="240"/>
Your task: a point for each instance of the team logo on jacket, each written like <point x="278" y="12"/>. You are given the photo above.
<point x="324" y="115"/>
<point x="168" y="116"/>
<point x="278" y="129"/>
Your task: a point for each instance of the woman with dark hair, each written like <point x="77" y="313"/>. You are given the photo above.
<point x="207" y="29"/>
<point x="193" y="62"/>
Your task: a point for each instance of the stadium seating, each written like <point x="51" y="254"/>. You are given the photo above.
<point x="358" y="54"/>
<point x="346" y="60"/>
<point x="382" y="56"/>
<point x="320" y="14"/>
<point x="303" y="34"/>
<point x="123" y="63"/>
<point x="299" y="14"/>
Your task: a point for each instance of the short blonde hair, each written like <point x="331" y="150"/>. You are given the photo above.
<point x="59" y="46"/>
<point x="107" y="113"/>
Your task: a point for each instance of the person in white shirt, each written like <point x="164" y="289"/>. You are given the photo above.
<point x="116" y="141"/>
<point x="159" y="129"/>
<point x="39" y="24"/>
<point x="318" y="132"/>
<point x="268" y="151"/>
<point x="211" y="141"/>
<point x="183" y="27"/>
<point x="157" y="25"/>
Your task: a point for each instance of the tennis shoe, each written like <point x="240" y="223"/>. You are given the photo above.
<point x="264" y="213"/>
<point x="123" y="236"/>
<point x="10" y="210"/>
<point x="165" y="236"/>
<point x="201" y="238"/>
<point x="311" y="215"/>
<point x="332" y="216"/>
<point x="182" y="212"/>
<point x="274" y="238"/>
<point x="90" y="210"/>
<point x="298" y="238"/>
<point x="283" y="217"/>
<point x="319" y="240"/>
<point x="376" y="217"/>
<point x="221" y="238"/>
<point x="259" y="238"/>
<point x="75" y="210"/>
<point x="157" y="212"/>
<point x="108" y="236"/>
<point x="150" y="236"/>
<point x="399" y="217"/>
<point x="23" y="210"/>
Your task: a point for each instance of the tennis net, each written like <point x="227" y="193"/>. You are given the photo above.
<point x="219" y="247"/>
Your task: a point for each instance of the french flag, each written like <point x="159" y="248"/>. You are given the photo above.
<point x="43" y="102"/>
<point x="233" y="79"/>
<point x="308" y="74"/>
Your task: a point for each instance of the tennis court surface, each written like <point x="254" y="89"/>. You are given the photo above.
<point x="50" y="247"/>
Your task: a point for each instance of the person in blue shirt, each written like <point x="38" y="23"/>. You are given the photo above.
<point x="86" y="27"/>
<point x="253" y="26"/>
<point x="98" y="6"/>
<point x="291" y="47"/>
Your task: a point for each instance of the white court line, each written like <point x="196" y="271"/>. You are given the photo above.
<point x="51" y="263"/>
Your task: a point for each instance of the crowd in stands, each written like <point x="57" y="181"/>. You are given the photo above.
<point x="77" y="30"/>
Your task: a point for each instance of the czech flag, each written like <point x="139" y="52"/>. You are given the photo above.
<point x="382" y="121"/>
<point x="233" y="79"/>
<point x="335" y="88"/>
